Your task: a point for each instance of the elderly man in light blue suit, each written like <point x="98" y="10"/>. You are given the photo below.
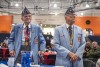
<point x="69" y="42"/>
<point x="18" y="37"/>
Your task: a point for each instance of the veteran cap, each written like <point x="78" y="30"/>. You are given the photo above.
<point x="25" y="11"/>
<point x="70" y="10"/>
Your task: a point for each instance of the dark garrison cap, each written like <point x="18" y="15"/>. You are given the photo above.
<point x="25" y="11"/>
<point x="70" y="10"/>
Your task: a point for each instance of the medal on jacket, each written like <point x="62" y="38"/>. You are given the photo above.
<point x="79" y="39"/>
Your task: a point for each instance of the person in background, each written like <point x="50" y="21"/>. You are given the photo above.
<point x="48" y="41"/>
<point x="88" y="47"/>
<point x="69" y="42"/>
<point x="87" y="32"/>
<point x="98" y="63"/>
<point x="51" y="36"/>
<point x="94" y="52"/>
<point x="95" y="45"/>
<point x="29" y="32"/>
<point x="4" y="45"/>
<point x="0" y="45"/>
<point x="6" y="40"/>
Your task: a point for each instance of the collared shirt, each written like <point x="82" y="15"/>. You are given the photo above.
<point x="67" y="25"/>
<point x="24" y="26"/>
<point x="23" y="35"/>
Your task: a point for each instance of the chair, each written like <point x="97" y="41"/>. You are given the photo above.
<point x="88" y="63"/>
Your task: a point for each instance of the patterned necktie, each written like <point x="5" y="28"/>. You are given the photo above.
<point x="71" y="37"/>
<point x="27" y="35"/>
<point x="70" y="30"/>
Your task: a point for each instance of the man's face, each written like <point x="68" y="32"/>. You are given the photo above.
<point x="70" y="18"/>
<point x="94" y="44"/>
<point x="27" y="18"/>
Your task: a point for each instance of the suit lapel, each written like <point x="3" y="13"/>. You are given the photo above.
<point x="32" y="29"/>
<point x="19" y="38"/>
<point x="32" y="39"/>
<point x="66" y="34"/>
<point x="20" y="32"/>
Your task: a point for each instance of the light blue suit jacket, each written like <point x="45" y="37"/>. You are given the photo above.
<point x="15" y="40"/>
<point x="62" y="46"/>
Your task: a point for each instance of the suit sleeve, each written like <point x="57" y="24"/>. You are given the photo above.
<point x="11" y="39"/>
<point x="42" y="41"/>
<point x="80" y="50"/>
<point x="57" y="45"/>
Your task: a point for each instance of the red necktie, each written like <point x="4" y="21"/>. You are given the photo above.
<point x="27" y="34"/>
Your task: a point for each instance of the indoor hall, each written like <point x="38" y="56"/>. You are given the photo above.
<point x="48" y="38"/>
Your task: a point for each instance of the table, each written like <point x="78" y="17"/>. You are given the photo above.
<point x="49" y="58"/>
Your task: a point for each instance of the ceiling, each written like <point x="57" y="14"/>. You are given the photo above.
<point x="45" y="7"/>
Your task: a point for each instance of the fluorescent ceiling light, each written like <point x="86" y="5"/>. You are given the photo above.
<point x="87" y="5"/>
<point x="55" y="5"/>
<point x="82" y="14"/>
<point x="16" y="4"/>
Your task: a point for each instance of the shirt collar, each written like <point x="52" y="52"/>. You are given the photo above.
<point x="24" y="26"/>
<point x="67" y="25"/>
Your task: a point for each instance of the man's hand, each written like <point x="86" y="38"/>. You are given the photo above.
<point x="72" y="56"/>
<point x="75" y="58"/>
<point x="12" y="53"/>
